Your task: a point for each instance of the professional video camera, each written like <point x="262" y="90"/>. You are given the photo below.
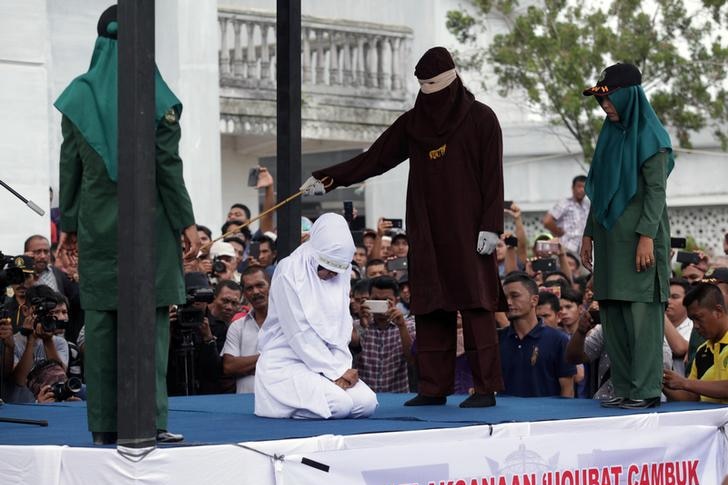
<point x="43" y="307"/>
<point x="10" y="276"/>
<point x="188" y="316"/>
<point x="185" y="332"/>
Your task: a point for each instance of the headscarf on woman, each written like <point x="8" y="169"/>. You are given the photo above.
<point x="621" y="150"/>
<point x="91" y="100"/>
<point x="321" y="304"/>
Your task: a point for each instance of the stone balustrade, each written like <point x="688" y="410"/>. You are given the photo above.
<point x="338" y="57"/>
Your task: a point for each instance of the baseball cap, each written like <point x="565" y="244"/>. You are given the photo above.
<point x="716" y="275"/>
<point x="24" y="263"/>
<point x="619" y="75"/>
<point x="221" y="248"/>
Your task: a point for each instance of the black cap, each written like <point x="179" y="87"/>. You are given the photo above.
<point x="717" y="275"/>
<point x="615" y="77"/>
<point x="24" y="263"/>
<point x="102" y="28"/>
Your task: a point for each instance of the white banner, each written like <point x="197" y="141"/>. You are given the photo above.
<point x="669" y="455"/>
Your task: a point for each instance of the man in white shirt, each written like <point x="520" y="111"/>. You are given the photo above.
<point x="566" y="220"/>
<point x="240" y="353"/>
<point x="305" y="367"/>
<point x="677" y="314"/>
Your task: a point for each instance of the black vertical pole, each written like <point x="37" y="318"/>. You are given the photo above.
<point x="288" y="155"/>
<point x="136" y="403"/>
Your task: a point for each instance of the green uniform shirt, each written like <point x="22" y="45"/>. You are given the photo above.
<point x="615" y="274"/>
<point x="89" y="207"/>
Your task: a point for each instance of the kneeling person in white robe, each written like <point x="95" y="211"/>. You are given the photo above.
<point x="304" y="369"/>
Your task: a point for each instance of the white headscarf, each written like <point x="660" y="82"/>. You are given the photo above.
<point x="325" y="303"/>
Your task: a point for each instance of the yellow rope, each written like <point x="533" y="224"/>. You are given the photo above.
<point x="236" y="229"/>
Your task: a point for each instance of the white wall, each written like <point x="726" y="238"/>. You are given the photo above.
<point x="44" y="44"/>
<point x="187" y="43"/>
<point x="235" y="167"/>
<point x="23" y="120"/>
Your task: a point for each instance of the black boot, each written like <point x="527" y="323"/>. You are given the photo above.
<point x="479" y="401"/>
<point x="420" y="400"/>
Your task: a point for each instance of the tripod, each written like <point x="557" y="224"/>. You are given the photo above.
<point x="36" y="422"/>
<point x="185" y="355"/>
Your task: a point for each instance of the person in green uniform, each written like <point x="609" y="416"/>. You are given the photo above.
<point x="628" y="235"/>
<point x="89" y="206"/>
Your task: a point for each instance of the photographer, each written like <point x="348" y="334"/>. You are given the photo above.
<point x="198" y="334"/>
<point x="224" y="265"/>
<point x="547" y="248"/>
<point x="48" y="383"/>
<point x="45" y="315"/>
<point x="385" y="337"/>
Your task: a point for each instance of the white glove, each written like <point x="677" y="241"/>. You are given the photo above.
<point x="313" y="186"/>
<point x="487" y="241"/>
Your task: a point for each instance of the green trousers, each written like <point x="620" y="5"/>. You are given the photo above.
<point x="634" y="334"/>
<point x="100" y="367"/>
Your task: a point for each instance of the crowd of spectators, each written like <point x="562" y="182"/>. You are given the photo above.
<point x="551" y="338"/>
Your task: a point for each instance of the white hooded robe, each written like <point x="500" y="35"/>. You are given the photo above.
<point x="304" y="341"/>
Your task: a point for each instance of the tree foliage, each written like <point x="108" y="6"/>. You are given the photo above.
<point x="554" y="49"/>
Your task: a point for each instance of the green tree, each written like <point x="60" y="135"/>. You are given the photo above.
<point x="553" y="49"/>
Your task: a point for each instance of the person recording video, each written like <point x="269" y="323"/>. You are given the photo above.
<point x="198" y="331"/>
<point x="40" y="336"/>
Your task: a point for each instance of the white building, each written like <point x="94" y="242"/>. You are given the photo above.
<point x="219" y="58"/>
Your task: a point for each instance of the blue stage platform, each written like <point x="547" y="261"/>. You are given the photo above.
<point x="544" y="441"/>
<point x="229" y="418"/>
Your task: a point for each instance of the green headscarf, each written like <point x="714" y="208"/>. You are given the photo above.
<point x="621" y="150"/>
<point x="90" y="102"/>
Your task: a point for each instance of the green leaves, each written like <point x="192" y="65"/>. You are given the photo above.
<point x="554" y="49"/>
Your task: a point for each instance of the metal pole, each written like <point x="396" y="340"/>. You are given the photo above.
<point x="288" y="156"/>
<point x="136" y="403"/>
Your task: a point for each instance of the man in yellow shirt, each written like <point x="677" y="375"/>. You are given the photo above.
<point x="708" y="379"/>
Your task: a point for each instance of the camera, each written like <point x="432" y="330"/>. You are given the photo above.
<point x="544" y="265"/>
<point x="678" y="242"/>
<point x="218" y="266"/>
<point x="545" y="248"/>
<point x="43" y="307"/>
<point x="687" y="257"/>
<point x="397" y="264"/>
<point x="396" y="223"/>
<point x="511" y="241"/>
<point x="188" y="316"/>
<point x="66" y="389"/>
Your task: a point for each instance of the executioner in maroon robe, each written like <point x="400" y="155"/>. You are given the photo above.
<point x="454" y="208"/>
